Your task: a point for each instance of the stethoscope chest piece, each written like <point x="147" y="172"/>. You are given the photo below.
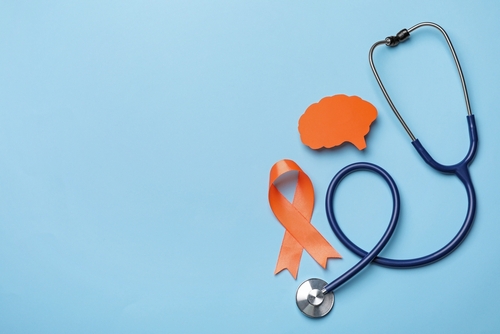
<point x="310" y="299"/>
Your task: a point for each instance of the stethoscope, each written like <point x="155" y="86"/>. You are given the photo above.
<point x="315" y="298"/>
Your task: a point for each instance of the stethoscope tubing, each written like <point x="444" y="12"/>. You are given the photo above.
<point x="372" y="256"/>
<point x="366" y="257"/>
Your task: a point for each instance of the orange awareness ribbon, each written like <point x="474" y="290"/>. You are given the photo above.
<point x="296" y="219"/>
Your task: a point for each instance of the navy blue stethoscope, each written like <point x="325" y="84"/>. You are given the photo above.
<point x="315" y="297"/>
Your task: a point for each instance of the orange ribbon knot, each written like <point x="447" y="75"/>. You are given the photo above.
<point x="296" y="219"/>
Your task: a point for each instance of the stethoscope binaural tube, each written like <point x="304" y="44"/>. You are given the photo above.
<point x="460" y="170"/>
<point x="402" y="36"/>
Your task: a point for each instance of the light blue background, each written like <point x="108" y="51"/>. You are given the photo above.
<point x="136" y="139"/>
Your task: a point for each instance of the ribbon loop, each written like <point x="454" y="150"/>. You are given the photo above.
<point x="296" y="219"/>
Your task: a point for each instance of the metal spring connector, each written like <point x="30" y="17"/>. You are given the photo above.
<point x="400" y="37"/>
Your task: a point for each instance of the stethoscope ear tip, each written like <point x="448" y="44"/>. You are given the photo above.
<point x="311" y="299"/>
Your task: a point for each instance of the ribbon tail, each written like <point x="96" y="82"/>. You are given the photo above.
<point x="316" y="245"/>
<point x="328" y="252"/>
<point x="289" y="257"/>
<point x="301" y="229"/>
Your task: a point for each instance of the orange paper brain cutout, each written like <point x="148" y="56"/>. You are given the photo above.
<point x="335" y="120"/>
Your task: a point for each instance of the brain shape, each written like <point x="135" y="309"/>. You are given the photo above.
<point x="335" y="120"/>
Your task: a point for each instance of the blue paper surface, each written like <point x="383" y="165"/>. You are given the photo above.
<point x="136" y="139"/>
